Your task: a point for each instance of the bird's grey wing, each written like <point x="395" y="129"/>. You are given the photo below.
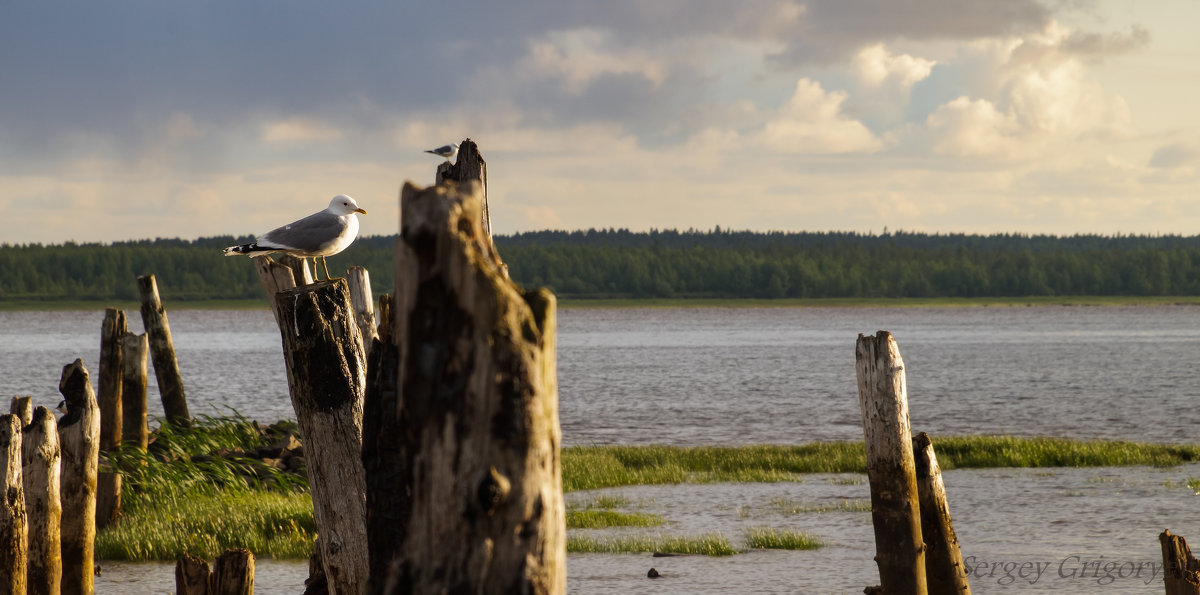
<point x="309" y="234"/>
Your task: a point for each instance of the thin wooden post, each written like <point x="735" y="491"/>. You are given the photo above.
<point x="326" y="377"/>
<point x="275" y="278"/>
<point x="135" y="428"/>
<point x="162" y="353"/>
<point x="465" y="470"/>
<point x="233" y="573"/>
<point x="191" y="575"/>
<point x="301" y="274"/>
<point x="363" y="303"/>
<point x="883" y="399"/>
<point x="41" y="464"/>
<point x="79" y="434"/>
<point x="469" y="165"/>
<point x="945" y="573"/>
<point x="1181" y="571"/>
<point x="12" y="508"/>
<point x="109" y="399"/>
<point x="22" y="407"/>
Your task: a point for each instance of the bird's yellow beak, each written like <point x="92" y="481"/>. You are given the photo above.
<point x="363" y="211"/>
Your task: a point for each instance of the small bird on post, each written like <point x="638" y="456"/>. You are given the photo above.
<point x="321" y="234"/>
<point x="447" y="151"/>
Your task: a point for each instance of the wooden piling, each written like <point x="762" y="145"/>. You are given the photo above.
<point x="1181" y="571"/>
<point x="109" y="399"/>
<point x="363" y="303"/>
<point x="162" y="353"/>
<point x="301" y="274"/>
<point x="895" y="511"/>
<point x="326" y="377"/>
<point x="465" y="470"/>
<point x="233" y="573"/>
<point x="191" y="575"/>
<point x="79" y="435"/>
<point x="12" y="508"/>
<point x="469" y="165"/>
<point x="41" y="462"/>
<point x="134" y="424"/>
<point x="22" y="407"/>
<point x="945" y="573"/>
<point x="275" y="278"/>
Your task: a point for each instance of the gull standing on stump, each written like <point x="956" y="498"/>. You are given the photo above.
<point x="316" y="236"/>
<point x="447" y="151"/>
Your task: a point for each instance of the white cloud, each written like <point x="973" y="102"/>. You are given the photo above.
<point x="577" y="57"/>
<point x="812" y="122"/>
<point x="875" y="66"/>
<point x="299" y="129"/>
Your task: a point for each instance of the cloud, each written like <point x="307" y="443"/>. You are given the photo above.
<point x="875" y="66"/>
<point x="812" y="122"/>
<point x="1175" y="155"/>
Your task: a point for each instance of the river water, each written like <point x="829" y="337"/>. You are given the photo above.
<point x="700" y="376"/>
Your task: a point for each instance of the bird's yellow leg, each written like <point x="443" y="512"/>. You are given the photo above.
<point x="326" y="267"/>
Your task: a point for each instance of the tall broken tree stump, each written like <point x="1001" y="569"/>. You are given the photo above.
<point x="79" y="436"/>
<point x="895" y="511"/>
<point x="162" y="353"/>
<point x="109" y="399"/>
<point x="13" y="521"/>
<point x="1181" y="571"/>
<point x="326" y="373"/>
<point x="135" y="427"/>
<point x="464" y="471"/>
<point x="41" y="463"/>
<point x="945" y="573"/>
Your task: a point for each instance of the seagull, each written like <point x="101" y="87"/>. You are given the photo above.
<point x="62" y="407"/>
<point x="447" y="151"/>
<point x="321" y="234"/>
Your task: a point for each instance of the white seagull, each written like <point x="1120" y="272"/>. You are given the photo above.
<point x="447" y="151"/>
<point x="316" y="236"/>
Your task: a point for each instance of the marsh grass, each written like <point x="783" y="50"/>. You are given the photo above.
<point x="710" y="544"/>
<point x="603" y="519"/>
<point x="790" y="506"/>
<point x="766" y="538"/>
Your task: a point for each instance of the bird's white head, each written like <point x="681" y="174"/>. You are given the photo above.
<point x="344" y="205"/>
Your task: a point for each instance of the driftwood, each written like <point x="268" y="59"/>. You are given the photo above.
<point x="134" y="372"/>
<point x="12" y="508"/>
<point x="1181" y="571"/>
<point x="22" y="407"/>
<point x="41" y="463"/>
<point x="465" y="475"/>
<point x="883" y="400"/>
<point x="326" y="377"/>
<point x="162" y="353"/>
<point x="945" y="573"/>
<point x="79" y="435"/>
<point x="109" y="399"/>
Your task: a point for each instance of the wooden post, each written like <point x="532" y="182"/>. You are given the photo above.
<point x="79" y="434"/>
<point x="12" y="508"/>
<point x="364" y="305"/>
<point x="275" y="278"/>
<point x="191" y="575"/>
<point x="41" y="462"/>
<point x="301" y="274"/>
<point x="945" y="573"/>
<point x="233" y="573"/>
<point x="883" y="399"/>
<point x="109" y="399"/>
<point x="326" y="377"/>
<point x="465" y="480"/>
<point x="1181" y="571"/>
<point x="162" y="353"/>
<point x="469" y="165"/>
<point x="134" y="426"/>
<point x="22" y="407"/>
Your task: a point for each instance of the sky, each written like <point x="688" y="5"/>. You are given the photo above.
<point x="144" y="119"/>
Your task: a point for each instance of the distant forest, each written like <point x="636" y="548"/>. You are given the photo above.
<point x="665" y="264"/>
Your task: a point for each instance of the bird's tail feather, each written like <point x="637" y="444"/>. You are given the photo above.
<point x="251" y="249"/>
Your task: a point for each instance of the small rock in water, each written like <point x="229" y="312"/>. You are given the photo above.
<point x="653" y="573"/>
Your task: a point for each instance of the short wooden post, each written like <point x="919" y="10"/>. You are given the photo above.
<point x="883" y="399"/>
<point x="233" y="573"/>
<point x="945" y="573"/>
<point x="363" y="303"/>
<point x="326" y="376"/>
<point x="134" y="425"/>
<point x="162" y="353"/>
<point x="22" y="407"/>
<point x="1181" y="571"/>
<point x="41" y="462"/>
<point x="12" y="508"/>
<point x="301" y="274"/>
<point x="79" y="435"/>
<point x="191" y="575"/>
<point x="109" y="399"/>
<point x="465" y="471"/>
<point x="275" y="278"/>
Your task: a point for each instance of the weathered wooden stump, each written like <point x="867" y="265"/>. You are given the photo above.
<point x="883" y="399"/>
<point x="13" y="523"/>
<point x="363" y="303"/>
<point x="233" y="573"/>
<point x="945" y="573"/>
<point x="79" y="435"/>
<point x="327" y="376"/>
<point x="464" y="471"/>
<point x="135" y="427"/>
<point x="191" y="575"/>
<point x="109" y="399"/>
<point x="162" y="353"/>
<point x="41" y="462"/>
<point x="301" y="274"/>
<point x="22" y="407"/>
<point x="1181" y="571"/>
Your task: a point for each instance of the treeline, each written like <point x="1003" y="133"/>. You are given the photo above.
<point x="666" y="263"/>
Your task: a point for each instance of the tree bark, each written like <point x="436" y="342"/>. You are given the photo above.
<point x="275" y="278"/>
<point x="326" y="375"/>
<point x="466" y="483"/>
<point x="301" y="274"/>
<point x="13" y="522"/>
<point x="1181" y="571"/>
<point x="79" y="434"/>
<point x="22" y="407"/>
<point x="191" y="575"/>
<point x="883" y="399"/>
<point x="109" y="399"/>
<point x="41" y="464"/>
<point x="364" y="305"/>
<point x="945" y="573"/>
<point x="134" y="372"/>
<point x="162" y="353"/>
<point x="233" y="573"/>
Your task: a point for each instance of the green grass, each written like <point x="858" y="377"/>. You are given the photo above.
<point x="766" y="538"/>
<point x="710" y="544"/>
<point x="603" y="519"/>
<point x="790" y="506"/>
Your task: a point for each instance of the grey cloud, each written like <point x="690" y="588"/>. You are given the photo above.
<point x="1100" y="44"/>
<point x="1175" y="155"/>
